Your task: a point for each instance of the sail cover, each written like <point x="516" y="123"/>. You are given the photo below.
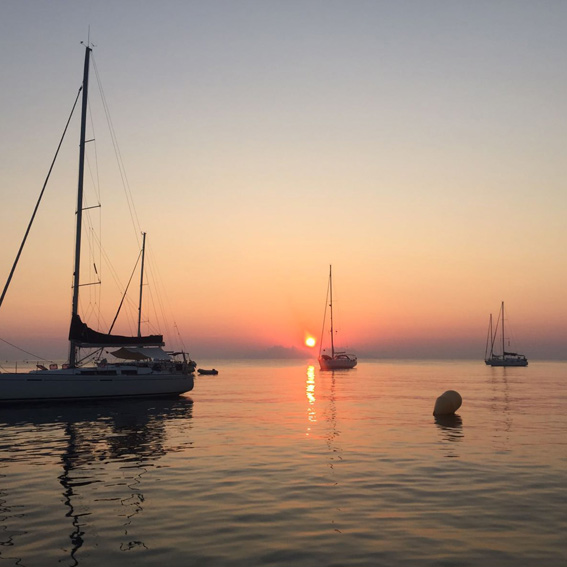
<point x="83" y="336"/>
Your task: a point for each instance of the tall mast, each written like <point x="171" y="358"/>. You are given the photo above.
<point x="76" y="273"/>
<point x="503" y="331"/>
<point x="331" y="306"/>
<point x="141" y="283"/>
<point x="489" y="340"/>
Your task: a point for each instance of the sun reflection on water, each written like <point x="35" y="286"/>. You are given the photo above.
<point x="310" y="393"/>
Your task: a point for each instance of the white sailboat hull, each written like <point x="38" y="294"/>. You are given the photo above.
<point x="68" y="384"/>
<point x="507" y="361"/>
<point x="342" y="362"/>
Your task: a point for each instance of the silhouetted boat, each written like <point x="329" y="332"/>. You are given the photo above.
<point x="337" y="360"/>
<point x="507" y="358"/>
<point x="144" y="368"/>
<point x="212" y="372"/>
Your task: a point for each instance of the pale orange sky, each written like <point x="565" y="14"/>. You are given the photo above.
<point x="416" y="146"/>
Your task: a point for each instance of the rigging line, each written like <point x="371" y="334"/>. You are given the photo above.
<point x="166" y="312"/>
<point x="488" y="337"/>
<point x="94" y="252"/>
<point x="179" y="337"/>
<point x="93" y="354"/>
<point x="95" y="175"/>
<point x="119" y="160"/>
<point x="122" y="171"/>
<point x="338" y="310"/>
<point x="156" y="322"/>
<point x="22" y="350"/>
<point x="38" y="202"/>
<point x="110" y="267"/>
<point x="496" y="329"/>
<point x="160" y="303"/>
<point x="156" y="291"/>
<point x="324" y="317"/>
<point x="125" y="292"/>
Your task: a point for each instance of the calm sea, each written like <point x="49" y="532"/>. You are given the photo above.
<point x="274" y="464"/>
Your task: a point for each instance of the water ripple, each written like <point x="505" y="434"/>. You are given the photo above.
<point x="273" y="465"/>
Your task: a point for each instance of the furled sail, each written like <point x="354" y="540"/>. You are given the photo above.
<point x="82" y="336"/>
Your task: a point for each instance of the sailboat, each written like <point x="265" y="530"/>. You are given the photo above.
<point x="507" y="358"/>
<point x="337" y="360"/>
<point x="142" y="368"/>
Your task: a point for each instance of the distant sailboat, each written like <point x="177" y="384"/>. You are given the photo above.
<point x="507" y="358"/>
<point x="337" y="360"/>
<point x="145" y="368"/>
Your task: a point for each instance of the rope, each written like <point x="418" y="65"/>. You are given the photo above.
<point x="22" y="350"/>
<point x="125" y="292"/>
<point x="120" y="162"/>
<point x="31" y="223"/>
<point x="38" y="202"/>
<point x="324" y="318"/>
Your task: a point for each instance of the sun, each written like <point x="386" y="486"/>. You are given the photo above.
<point x="310" y="342"/>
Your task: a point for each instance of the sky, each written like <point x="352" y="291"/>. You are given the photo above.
<point x="418" y="147"/>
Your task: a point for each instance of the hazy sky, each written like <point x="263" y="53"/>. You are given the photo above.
<point x="417" y="146"/>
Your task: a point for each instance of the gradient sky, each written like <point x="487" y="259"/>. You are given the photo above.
<point x="417" y="146"/>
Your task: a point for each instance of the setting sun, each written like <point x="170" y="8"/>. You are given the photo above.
<point x="310" y="341"/>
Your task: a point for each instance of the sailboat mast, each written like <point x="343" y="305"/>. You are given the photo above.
<point x="331" y="306"/>
<point x="503" y="340"/>
<point x="489" y="340"/>
<point x="76" y="273"/>
<point x="141" y="283"/>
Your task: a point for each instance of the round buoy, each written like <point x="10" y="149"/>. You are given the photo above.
<point x="447" y="403"/>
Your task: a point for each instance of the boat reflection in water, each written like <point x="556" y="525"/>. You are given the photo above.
<point x="99" y="452"/>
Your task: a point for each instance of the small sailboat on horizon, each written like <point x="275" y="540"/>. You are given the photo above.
<point x="507" y="358"/>
<point x="337" y="360"/>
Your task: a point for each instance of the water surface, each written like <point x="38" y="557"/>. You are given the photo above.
<point x="273" y="463"/>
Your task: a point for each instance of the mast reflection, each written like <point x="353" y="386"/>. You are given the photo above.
<point x="129" y="435"/>
<point x="500" y="408"/>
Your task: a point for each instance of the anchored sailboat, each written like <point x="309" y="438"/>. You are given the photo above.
<point x="507" y="358"/>
<point x="337" y="360"/>
<point x="144" y="367"/>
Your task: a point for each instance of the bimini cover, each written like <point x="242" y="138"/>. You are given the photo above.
<point x="140" y="353"/>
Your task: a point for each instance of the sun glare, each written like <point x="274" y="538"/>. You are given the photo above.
<point x="310" y="342"/>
